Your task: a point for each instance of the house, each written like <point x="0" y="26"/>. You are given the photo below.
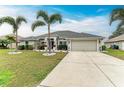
<point x="13" y="45"/>
<point x="75" y="41"/>
<point x="119" y="40"/>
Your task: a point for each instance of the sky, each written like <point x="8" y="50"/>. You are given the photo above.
<point x="93" y="19"/>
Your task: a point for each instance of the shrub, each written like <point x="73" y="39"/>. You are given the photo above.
<point x="3" y="47"/>
<point x="25" y="47"/>
<point x="4" y="44"/>
<point x="62" y="47"/>
<point x="114" y="47"/>
<point x="103" y="47"/>
<point x="41" y="47"/>
<point x="21" y="47"/>
<point x="30" y="47"/>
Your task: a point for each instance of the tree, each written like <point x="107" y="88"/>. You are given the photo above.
<point x="117" y="14"/>
<point x="3" y="43"/>
<point x="15" y="24"/>
<point x="117" y="33"/>
<point x="47" y="20"/>
<point x="11" y="39"/>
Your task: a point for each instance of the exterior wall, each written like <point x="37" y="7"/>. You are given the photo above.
<point x="56" y="43"/>
<point x="22" y="43"/>
<point x="108" y="45"/>
<point x="120" y="44"/>
<point x="13" y="45"/>
<point x="29" y="43"/>
<point x="32" y="43"/>
<point x="123" y="45"/>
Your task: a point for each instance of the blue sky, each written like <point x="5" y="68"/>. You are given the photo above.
<point x="92" y="19"/>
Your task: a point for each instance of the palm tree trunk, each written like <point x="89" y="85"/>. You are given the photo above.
<point x="49" y="47"/>
<point x="16" y="41"/>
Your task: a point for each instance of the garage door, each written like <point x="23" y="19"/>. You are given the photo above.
<point x="81" y="45"/>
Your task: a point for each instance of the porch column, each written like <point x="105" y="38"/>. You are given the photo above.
<point x="46" y="43"/>
<point x="97" y="45"/>
<point x="55" y="43"/>
<point x="70" y="45"/>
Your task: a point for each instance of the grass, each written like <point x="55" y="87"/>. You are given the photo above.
<point x="116" y="53"/>
<point x="26" y="69"/>
<point x="5" y="77"/>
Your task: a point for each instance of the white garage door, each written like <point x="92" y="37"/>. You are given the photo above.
<point x="84" y="45"/>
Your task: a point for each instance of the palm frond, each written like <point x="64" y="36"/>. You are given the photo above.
<point x="20" y="19"/>
<point x="117" y="14"/>
<point x="37" y="24"/>
<point x="55" y="17"/>
<point x="10" y="21"/>
<point x="44" y="15"/>
<point x="120" y="25"/>
<point x="11" y="38"/>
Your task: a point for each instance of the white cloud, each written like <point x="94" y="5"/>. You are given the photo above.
<point x="100" y="10"/>
<point x="95" y="25"/>
<point x="69" y="20"/>
<point x="25" y="29"/>
<point x="57" y="9"/>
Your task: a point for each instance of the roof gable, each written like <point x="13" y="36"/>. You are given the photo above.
<point x="115" y="39"/>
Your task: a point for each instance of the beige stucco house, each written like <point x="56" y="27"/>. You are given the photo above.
<point x="75" y="41"/>
<point x="119" y="40"/>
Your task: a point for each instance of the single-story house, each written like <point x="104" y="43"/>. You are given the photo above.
<point x="119" y="40"/>
<point x="75" y="41"/>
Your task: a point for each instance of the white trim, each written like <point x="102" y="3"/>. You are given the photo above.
<point x="87" y="38"/>
<point x="71" y="45"/>
<point x="97" y="45"/>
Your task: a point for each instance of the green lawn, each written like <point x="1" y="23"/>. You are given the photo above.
<point x="26" y="69"/>
<point x="116" y="53"/>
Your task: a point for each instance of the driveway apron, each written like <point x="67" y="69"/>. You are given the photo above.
<point x="86" y="69"/>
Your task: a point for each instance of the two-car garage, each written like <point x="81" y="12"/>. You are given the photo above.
<point x="84" y="45"/>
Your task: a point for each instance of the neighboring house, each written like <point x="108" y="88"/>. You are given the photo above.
<point x="74" y="41"/>
<point x="13" y="44"/>
<point x="119" y="40"/>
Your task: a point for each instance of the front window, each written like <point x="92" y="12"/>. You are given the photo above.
<point x="62" y="43"/>
<point x="26" y="42"/>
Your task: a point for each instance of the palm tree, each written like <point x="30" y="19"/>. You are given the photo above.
<point x="117" y="14"/>
<point x="11" y="39"/>
<point x="15" y="24"/>
<point x="47" y="20"/>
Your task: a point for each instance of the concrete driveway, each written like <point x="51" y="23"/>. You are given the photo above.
<point x="87" y="69"/>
